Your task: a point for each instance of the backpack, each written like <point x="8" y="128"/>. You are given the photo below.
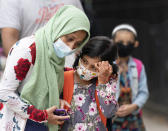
<point x="138" y="66"/>
<point x="139" y="69"/>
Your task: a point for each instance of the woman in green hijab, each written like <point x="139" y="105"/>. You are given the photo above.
<point x="34" y="75"/>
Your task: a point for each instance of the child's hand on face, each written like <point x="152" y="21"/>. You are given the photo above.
<point x="104" y="71"/>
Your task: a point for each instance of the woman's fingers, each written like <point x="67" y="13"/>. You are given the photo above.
<point x="54" y="119"/>
<point x="61" y="117"/>
<point x="60" y="122"/>
<point x="51" y="109"/>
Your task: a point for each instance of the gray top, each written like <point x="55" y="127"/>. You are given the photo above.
<point x="29" y="15"/>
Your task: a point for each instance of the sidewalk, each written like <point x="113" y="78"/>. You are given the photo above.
<point x="155" y="121"/>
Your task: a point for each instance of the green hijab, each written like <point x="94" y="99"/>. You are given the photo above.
<point x="46" y="81"/>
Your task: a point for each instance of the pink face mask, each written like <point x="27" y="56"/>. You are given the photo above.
<point x="84" y="73"/>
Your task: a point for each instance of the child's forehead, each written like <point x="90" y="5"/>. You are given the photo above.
<point x="91" y="59"/>
<point x="124" y="34"/>
<point x="125" y="31"/>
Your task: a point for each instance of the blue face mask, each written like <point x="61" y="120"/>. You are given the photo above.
<point x="61" y="49"/>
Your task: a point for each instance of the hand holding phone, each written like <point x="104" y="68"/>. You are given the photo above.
<point x="54" y="119"/>
<point x="60" y="112"/>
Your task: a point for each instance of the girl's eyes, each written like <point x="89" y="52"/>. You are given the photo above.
<point x="93" y="68"/>
<point x="90" y="67"/>
<point x="84" y="61"/>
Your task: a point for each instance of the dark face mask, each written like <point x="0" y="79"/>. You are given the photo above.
<point x="125" y="50"/>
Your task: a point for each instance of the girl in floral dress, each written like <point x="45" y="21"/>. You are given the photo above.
<point x="95" y="72"/>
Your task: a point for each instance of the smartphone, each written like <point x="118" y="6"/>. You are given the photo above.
<point x="60" y="112"/>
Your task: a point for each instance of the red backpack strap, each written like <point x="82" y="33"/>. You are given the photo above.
<point x="68" y="68"/>
<point x="68" y="85"/>
<point x="138" y="66"/>
<point x="103" y="118"/>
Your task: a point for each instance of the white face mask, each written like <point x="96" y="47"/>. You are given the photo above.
<point x="61" y="49"/>
<point x="84" y="73"/>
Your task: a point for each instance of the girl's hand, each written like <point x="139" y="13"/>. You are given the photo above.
<point x="104" y="71"/>
<point x="54" y="119"/>
<point x="125" y="110"/>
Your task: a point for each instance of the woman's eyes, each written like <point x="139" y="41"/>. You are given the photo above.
<point x="70" y="39"/>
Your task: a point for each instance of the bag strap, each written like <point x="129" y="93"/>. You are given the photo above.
<point x="139" y="69"/>
<point x="138" y="66"/>
<point x="103" y="118"/>
<point x="68" y="85"/>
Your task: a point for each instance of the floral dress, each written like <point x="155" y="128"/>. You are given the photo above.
<point x="84" y="114"/>
<point x="13" y="111"/>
